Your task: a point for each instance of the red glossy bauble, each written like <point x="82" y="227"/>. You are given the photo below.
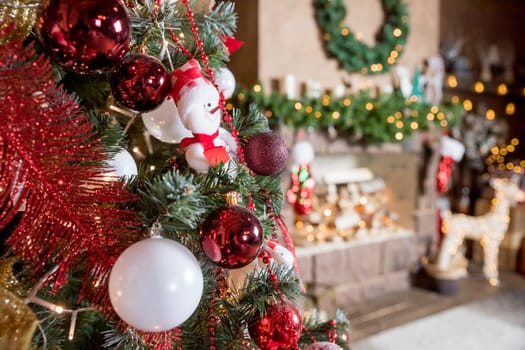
<point x="86" y="36"/>
<point x="279" y="329"/>
<point x="141" y="82"/>
<point x="231" y="237"/>
<point x="266" y="153"/>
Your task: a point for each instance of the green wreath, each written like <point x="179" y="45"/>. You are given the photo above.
<point x="354" y="55"/>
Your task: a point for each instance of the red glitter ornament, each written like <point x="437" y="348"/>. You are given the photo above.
<point x="279" y="329"/>
<point x="86" y="36"/>
<point x="266" y="153"/>
<point x="231" y="237"/>
<point x="141" y="82"/>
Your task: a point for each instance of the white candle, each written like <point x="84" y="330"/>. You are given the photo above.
<point x="289" y="86"/>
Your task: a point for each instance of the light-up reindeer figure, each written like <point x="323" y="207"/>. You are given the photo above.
<point x="489" y="229"/>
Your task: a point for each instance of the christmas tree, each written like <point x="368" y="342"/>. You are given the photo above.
<point x="136" y="211"/>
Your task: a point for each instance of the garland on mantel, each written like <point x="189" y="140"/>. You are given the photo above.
<point x="354" y="55"/>
<point x="359" y="118"/>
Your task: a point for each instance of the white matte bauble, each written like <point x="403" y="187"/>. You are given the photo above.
<point x="302" y="152"/>
<point x="156" y="284"/>
<point x="323" y="346"/>
<point x="164" y="124"/>
<point x="226" y="81"/>
<point x="122" y="164"/>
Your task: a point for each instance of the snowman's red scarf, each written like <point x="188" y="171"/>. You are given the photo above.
<point x="214" y="154"/>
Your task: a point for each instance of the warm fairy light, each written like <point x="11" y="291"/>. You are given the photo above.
<point x="136" y="150"/>
<point x="152" y="168"/>
<point x="309" y="109"/>
<point x="414" y="125"/>
<point x="510" y="148"/>
<point x="490" y="114"/>
<point x="326" y="36"/>
<point x="345" y="32"/>
<point x="59" y="309"/>
<point x="452" y="81"/>
<point x="413" y="98"/>
<point x="326" y="100"/>
<point x="336" y="115"/>
<point x="298" y="106"/>
<point x="391" y="60"/>
<point x="399" y="47"/>
<point x="415" y="114"/>
<point x="522" y="163"/>
<point x="443" y="123"/>
<point x="494" y="150"/>
<point x="257" y="88"/>
<point x="398" y="136"/>
<point x="398" y="115"/>
<point x="327" y="212"/>
<point x="376" y="67"/>
<point x="390" y="119"/>
<point x="317" y="115"/>
<point x="467" y="105"/>
<point x="229" y="106"/>
<point x="369" y="106"/>
<point x="394" y="53"/>
<point x="397" y="32"/>
<point x="455" y="99"/>
<point x="441" y="115"/>
<point x="510" y="166"/>
<point x="434" y="109"/>
<point x="479" y="87"/>
<point x="514" y="141"/>
<point x="347" y="102"/>
<point x="502" y="89"/>
<point x="299" y="224"/>
<point x="268" y="114"/>
<point x="430" y="116"/>
<point x="510" y="108"/>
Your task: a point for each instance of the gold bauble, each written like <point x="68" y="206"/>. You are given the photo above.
<point x="17" y="320"/>
<point x="17" y="18"/>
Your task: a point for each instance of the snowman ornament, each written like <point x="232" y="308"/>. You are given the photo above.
<point x="197" y="102"/>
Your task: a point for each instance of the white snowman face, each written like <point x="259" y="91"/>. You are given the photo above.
<point x="199" y="109"/>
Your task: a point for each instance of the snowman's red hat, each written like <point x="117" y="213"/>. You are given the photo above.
<point x="185" y="77"/>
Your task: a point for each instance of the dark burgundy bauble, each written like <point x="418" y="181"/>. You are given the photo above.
<point x="85" y="36"/>
<point x="141" y="82"/>
<point x="231" y="237"/>
<point x="279" y="329"/>
<point x="266" y="153"/>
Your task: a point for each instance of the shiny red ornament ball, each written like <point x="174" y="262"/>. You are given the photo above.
<point x="231" y="237"/>
<point x="140" y="83"/>
<point x="279" y="329"/>
<point x="266" y="153"/>
<point x="85" y="36"/>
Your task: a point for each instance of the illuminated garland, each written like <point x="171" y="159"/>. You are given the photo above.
<point x="354" y="55"/>
<point x="359" y="118"/>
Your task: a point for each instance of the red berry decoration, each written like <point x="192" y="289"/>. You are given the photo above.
<point x="231" y="236"/>
<point x="266" y="153"/>
<point x="141" y="82"/>
<point x="279" y="329"/>
<point x="85" y="36"/>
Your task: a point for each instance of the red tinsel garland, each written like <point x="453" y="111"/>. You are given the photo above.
<point x="50" y="161"/>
